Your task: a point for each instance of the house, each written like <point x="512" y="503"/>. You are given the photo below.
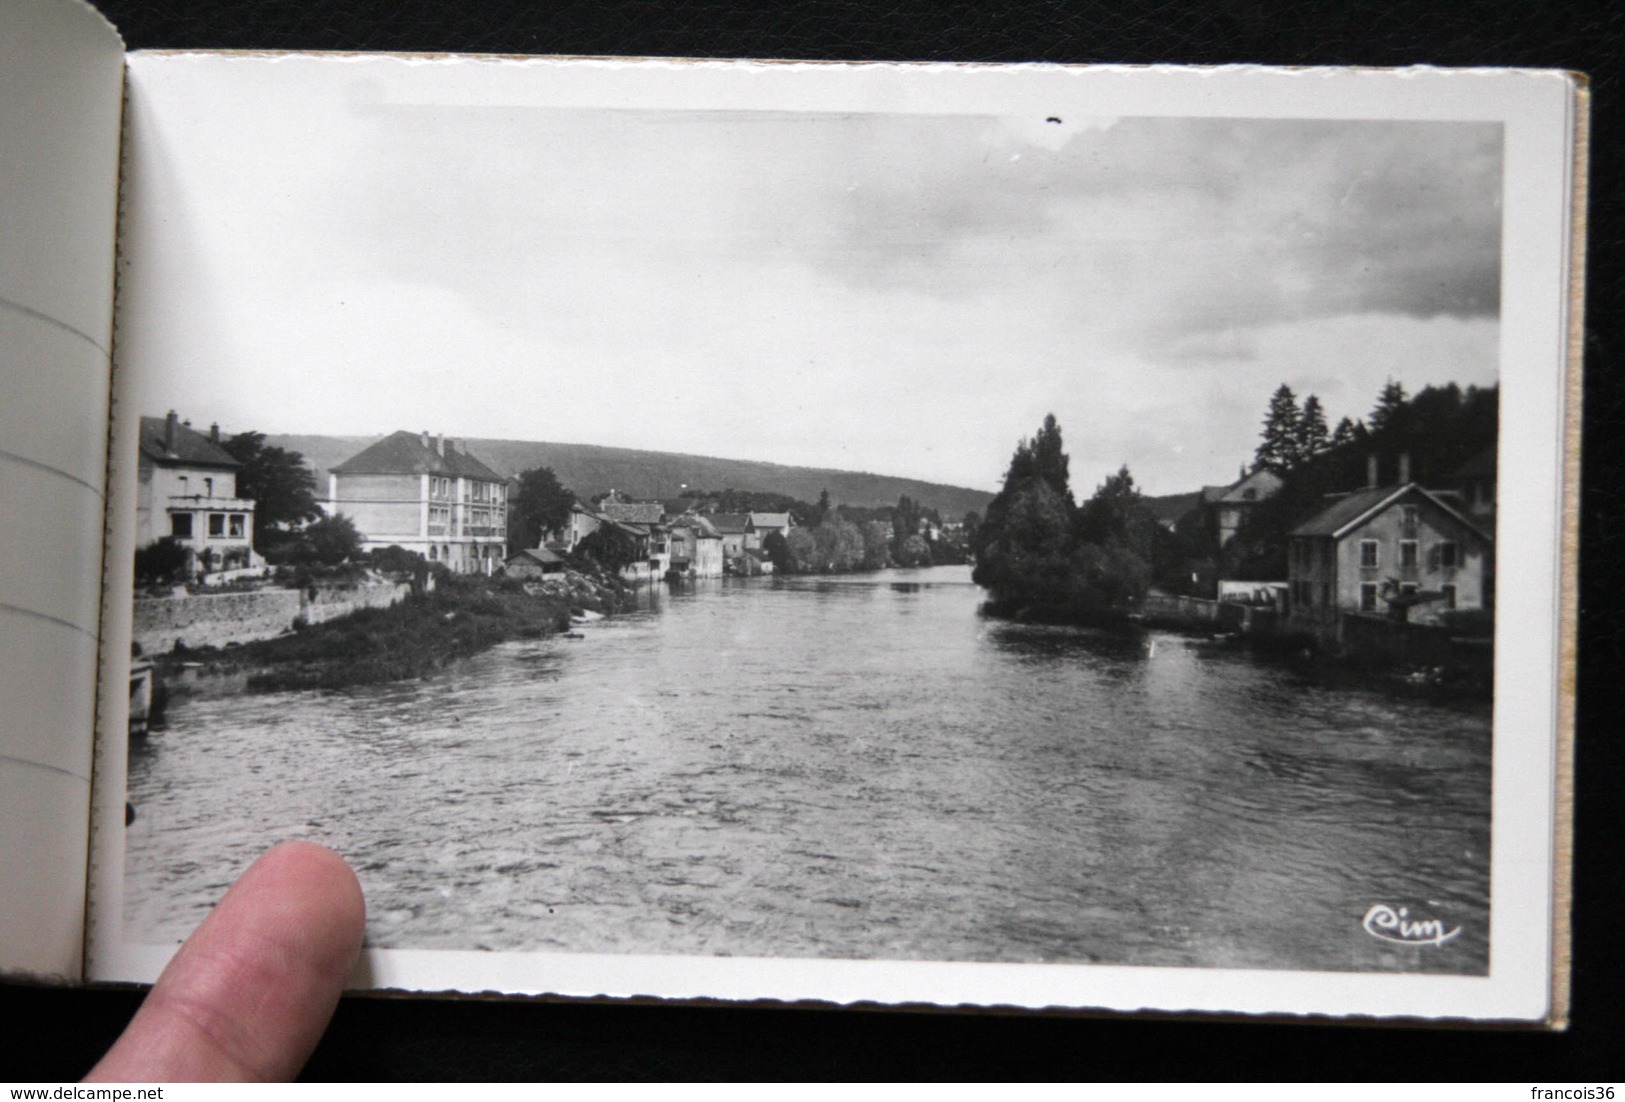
<point x="1225" y="508"/>
<point x="425" y="495"/>
<point x="696" y="546"/>
<point x="186" y="490"/>
<point x="733" y="528"/>
<point x="644" y="521"/>
<point x="533" y="562"/>
<point x="762" y="525"/>
<point x="584" y="521"/>
<point x="1400" y="551"/>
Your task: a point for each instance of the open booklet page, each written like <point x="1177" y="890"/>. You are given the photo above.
<point x="803" y="532"/>
<point x="61" y="90"/>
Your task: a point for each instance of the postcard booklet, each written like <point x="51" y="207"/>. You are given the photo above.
<point x="1018" y="536"/>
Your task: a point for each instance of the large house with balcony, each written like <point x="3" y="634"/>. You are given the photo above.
<point x="187" y="491"/>
<point x="424" y="494"/>
<point x="1397" y="551"/>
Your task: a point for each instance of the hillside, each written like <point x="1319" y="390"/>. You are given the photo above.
<point x="589" y="469"/>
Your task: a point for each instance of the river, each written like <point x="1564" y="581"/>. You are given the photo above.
<point x="845" y="767"/>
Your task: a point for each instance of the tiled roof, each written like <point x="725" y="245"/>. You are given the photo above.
<point x="730" y="524"/>
<point x="190" y="448"/>
<point x="770" y="520"/>
<point x="406" y="453"/>
<point x="1348" y="509"/>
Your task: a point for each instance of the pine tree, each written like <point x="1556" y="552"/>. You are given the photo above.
<point x="1346" y="433"/>
<point x="1278" y="449"/>
<point x="1312" y="435"/>
<point x="1043" y="457"/>
<point x="1390" y="404"/>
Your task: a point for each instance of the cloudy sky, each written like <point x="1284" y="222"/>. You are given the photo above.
<point x="906" y="294"/>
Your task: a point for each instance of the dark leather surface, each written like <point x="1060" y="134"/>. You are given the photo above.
<point x="54" y="1034"/>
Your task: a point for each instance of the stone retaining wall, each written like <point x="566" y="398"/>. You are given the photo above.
<point x="219" y="619"/>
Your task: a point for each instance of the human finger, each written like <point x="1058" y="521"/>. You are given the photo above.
<point x="249" y="994"/>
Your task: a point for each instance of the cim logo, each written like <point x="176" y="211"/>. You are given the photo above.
<point x="1387" y="924"/>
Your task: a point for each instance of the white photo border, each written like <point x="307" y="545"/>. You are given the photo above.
<point x="1537" y="110"/>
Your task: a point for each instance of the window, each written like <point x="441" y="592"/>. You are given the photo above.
<point x="1410" y="516"/>
<point x="1449" y="596"/>
<point x="1368" y="596"/>
<point x="434" y="553"/>
<point x="217" y="524"/>
<point x="208" y="487"/>
<point x="1449" y="554"/>
<point x="186" y="485"/>
<point x="1407" y="589"/>
<point x="1368" y="555"/>
<point x="180" y="525"/>
<point x="1249" y="495"/>
<point x="1407" y="553"/>
<point x="237" y="526"/>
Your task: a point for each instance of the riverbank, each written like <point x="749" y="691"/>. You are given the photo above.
<point x="1416" y="660"/>
<point x="460" y="617"/>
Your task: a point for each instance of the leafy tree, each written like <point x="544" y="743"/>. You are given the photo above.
<point x="541" y="505"/>
<point x="822" y="509"/>
<point x="609" y="547"/>
<point x="1116" y="514"/>
<point x="279" y="483"/>
<point x="332" y="540"/>
<point x="877" y="540"/>
<point x="396" y="559"/>
<point x="1312" y="435"/>
<point x="914" y="551"/>
<point x="1278" y="450"/>
<point x="162" y="562"/>
<point x="777" y="550"/>
<point x="803" y="550"/>
<point x="1024" y="544"/>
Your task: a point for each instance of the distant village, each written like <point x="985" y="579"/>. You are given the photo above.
<point x="1396" y="548"/>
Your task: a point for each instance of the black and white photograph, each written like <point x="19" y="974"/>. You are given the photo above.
<point x="835" y="524"/>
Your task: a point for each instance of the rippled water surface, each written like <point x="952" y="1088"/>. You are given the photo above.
<point x="853" y="767"/>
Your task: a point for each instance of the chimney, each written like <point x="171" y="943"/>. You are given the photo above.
<point x="1404" y="468"/>
<point x="171" y="422"/>
<point x="440" y="443"/>
<point x="1371" y="471"/>
<point x="214" y="433"/>
<point x="423" y="438"/>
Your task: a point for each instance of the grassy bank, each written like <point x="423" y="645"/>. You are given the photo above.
<point x="425" y="632"/>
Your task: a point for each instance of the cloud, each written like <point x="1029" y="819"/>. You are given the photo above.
<point x="900" y="293"/>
